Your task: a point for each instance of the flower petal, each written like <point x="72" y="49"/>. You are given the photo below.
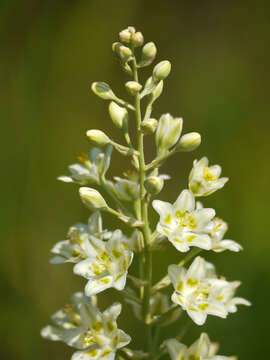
<point x="185" y="201"/>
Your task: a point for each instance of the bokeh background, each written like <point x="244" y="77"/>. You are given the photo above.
<point x="50" y="53"/>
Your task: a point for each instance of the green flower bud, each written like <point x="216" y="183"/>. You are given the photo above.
<point x="97" y="137"/>
<point x="154" y="184"/>
<point x="189" y="142"/>
<point x="92" y="199"/>
<point x="123" y="52"/>
<point x="103" y="90"/>
<point x="118" y="114"/>
<point x="149" y="126"/>
<point x="133" y="87"/>
<point x="161" y="70"/>
<point x="149" y="52"/>
<point x="137" y="39"/>
<point x="157" y="91"/>
<point x="168" y="132"/>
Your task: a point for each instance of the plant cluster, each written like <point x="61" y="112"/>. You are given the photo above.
<point x="104" y="257"/>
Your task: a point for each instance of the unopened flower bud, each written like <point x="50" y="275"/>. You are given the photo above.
<point x="137" y="39"/>
<point x="168" y="132"/>
<point x="92" y="199"/>
<point x="149" y="52"/>
<point x="123" y="52"/>
<point x="157" y="91"/>
<point x="161" y="70"/>
<point x="118" y="114"/>
<point x="103" y="90"/>
<point x="189" y="142"/>
<point x="97" y="137"/>
<point x="124" y="36"/>
<point x="149" y="126"/>
<point x="154" y="184"/>
<point x="133" y="87"/>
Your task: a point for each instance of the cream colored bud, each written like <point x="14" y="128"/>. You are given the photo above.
<point x="133" y="87"/>
<point x="124" y="36"/>
<point x="189" y="142"/>
<point x="154" y="184"/>
<point x="118" y="114"/>
<point x="168" y="132"/>
<point x="125" y="53"/>
<point x="103" y="90"/>
<point x="149" y="126"/>
<point x="92" y="199"/>
<point x="137" y="39"/>
<point x="161" y="70"/>
<point x="149" y="52"/>
<point x="97" y="137"/>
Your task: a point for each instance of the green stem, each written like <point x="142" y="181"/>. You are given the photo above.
<point x="144" y="217"/>
<point x="158" y="161"/>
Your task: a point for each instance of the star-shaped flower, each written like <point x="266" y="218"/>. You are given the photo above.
<point x="199" y="292"/>
<point x="201" y="349"/>
<point x="74" y="248"/>
<point x="204" y="180"/>
<point x="182" y="224"/>
<point x="217" y="230"/>
<point x="106" y="264"/>
<point x="82" y="326"/>
<point x="88" y="169"/>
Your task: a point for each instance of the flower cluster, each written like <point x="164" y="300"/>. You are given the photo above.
<point x="104" y="257"/>
<point x="82" y="326"/>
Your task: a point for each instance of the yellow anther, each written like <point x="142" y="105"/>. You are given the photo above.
<point x="208" y="176"/>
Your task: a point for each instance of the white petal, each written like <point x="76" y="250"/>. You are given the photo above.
<point x="176" y="349"/>
<point x="176" y="274"/>
<point x="199" y="317"/>
<point x="95" y="286"/>
<point x="197" y="269"/>
<point x="66" y="179"/>
<point x="52" y="333"/>
<point x="86" y="355"/>
<point x="163" y="208"/>
<point x="85" y="268"/>
<point x="201" y="241"/>
<point x="216" y="308"/>
<point x="201" y="346"/>
<point x="230" y="245"/>
<point x="215" y="170"/>
<point x="179" y="243"/>
<point x="203" y="217"/>
<point x="185" y="201"/>
<point x="123" y="339"/>
<point x="113" y="311"/>
<point x="120" y="283"/>
<point x="231" y="305"/>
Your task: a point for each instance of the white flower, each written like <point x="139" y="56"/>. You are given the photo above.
<point x="89" y="167"/>
<point x="74" y="248"/>
<point x="184" y="225"/>
<point x="199" y="292"/>
<point x="201" y="349"/>
<point x="204" y="180"/>
<point x="217" y="230"/>
<point x="106" y="264"/>
<point x="82" y="326"/>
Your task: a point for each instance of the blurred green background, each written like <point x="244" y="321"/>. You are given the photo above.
<point x="50" y="53"/>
